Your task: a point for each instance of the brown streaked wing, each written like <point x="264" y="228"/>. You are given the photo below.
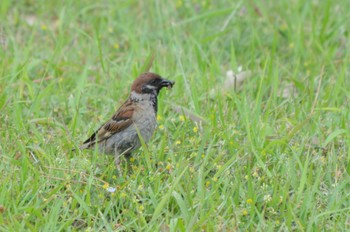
<point x="120" y="120"/>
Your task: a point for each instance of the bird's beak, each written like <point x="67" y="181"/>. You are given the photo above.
<point x="167" y="83"/>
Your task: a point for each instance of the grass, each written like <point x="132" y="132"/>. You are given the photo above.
<point x="258" y="161"/>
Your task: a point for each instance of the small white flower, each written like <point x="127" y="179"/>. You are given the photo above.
<point x="267" y="198"/>
<point x="111" y="189"/>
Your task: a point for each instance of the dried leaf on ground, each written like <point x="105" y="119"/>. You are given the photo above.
<point x="232" y="82"/>
<point x="288" y="91"/>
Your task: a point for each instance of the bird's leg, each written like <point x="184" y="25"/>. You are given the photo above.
<point x="117" y="164"/>
<point x="117" y="160"/>
<point x="117" y="157"/>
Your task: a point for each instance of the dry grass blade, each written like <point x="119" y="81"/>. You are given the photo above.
<point x="148" y="64"/>
<point x="3" y="40"/>
<point x="189" y="114"/>
<point x="82" y="174"/>
<point x="317" y="92"/>
<point x="42" y="79"/>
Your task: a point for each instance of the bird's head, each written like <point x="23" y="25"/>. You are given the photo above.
<point x="150" y="83"/>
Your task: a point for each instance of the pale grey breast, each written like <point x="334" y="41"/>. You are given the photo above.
<point x="145" y="123"/>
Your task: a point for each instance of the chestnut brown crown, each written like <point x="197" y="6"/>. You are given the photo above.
<point x="150" y="83"/>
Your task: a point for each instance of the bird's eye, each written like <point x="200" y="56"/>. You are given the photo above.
<point x="148" y="88"/>
<point x="154" y="82"/>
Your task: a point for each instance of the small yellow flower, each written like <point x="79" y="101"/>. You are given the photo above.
<point x="168" y="167"/>
<point x="114" y="177"/>
<point x="245" y="212"/>
<point x="141" y="208"/>
<point x="105" y="186"/>
<point x="215" y="179"/>
<point x="43" y="27"/>
<point x="207" y="183"/>
<point x="246" y="177"/>
<point x="132" y="159"/>
<point x="182" y="118"/>
<point x="178" y="142"/>
<point x="178" y="3"/>
<point x="249" y="201"/>
<point x="203" y="155"/>
<point x="116" y="45"/>
<point x="159" y="117"/>
<point x="195" y="129"/>
<point x="161" y="127"/>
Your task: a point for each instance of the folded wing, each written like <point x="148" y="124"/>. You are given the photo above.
<point x="120" y="121"/>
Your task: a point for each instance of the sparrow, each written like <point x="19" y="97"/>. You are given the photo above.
<point x="136" y="118"/>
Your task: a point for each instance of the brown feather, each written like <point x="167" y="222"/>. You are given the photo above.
<point x="120" y="120"/>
